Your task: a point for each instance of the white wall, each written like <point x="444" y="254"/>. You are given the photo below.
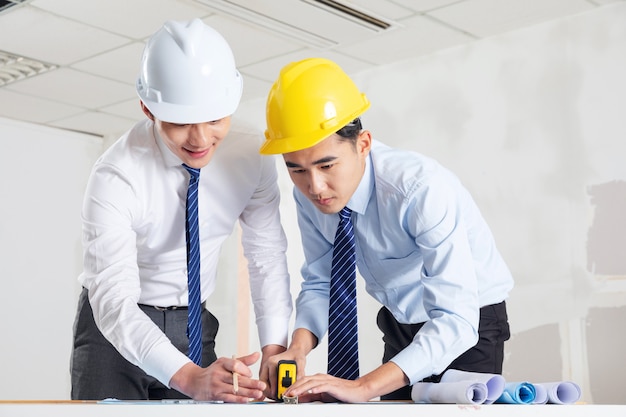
<point x="533" y="122"/>
<point x="42" y="180"/>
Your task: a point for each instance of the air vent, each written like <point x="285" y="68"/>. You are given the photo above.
<point x="317" y="23"/>
<point x="15" y="68"/>
<point x="364" y="18"/>
<point x="8" y="4"/>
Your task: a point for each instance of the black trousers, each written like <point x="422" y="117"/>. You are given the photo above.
<point x="485" y="357"/>
<point x="98" y="371"/>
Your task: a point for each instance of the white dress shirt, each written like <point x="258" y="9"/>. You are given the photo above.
<point x="423" y="249"/>
<point x="135" y="247"/>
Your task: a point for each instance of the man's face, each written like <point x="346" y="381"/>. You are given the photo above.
<point x="194" y="144"/>
<point x="329" y="172"/>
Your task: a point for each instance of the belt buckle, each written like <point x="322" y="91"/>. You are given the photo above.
<point x="166" y="308"/>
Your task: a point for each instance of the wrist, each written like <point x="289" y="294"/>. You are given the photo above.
<point x="181" y="380"/>
<point x="303" y="341"/>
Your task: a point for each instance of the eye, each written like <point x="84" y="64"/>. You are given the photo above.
<point x="327" y="166"/>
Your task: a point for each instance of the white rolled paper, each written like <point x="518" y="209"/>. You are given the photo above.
<point x="461" y="392"/>
<point x="541" y="394"/>
<point x="495" y="383"/>
<point x="561" y="392"/>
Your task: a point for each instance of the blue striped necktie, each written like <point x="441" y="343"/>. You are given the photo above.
<point x="343" y="343"/>
<point x="194" y="323"/>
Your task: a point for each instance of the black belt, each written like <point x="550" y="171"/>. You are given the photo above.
<point x="171" y="308"/>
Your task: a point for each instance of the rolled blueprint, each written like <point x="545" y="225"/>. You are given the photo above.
<point x="518" y="393"/>
<point x="541" y="394"/>
<point x="461" y="392"/>
<point x="494" y="382"/>
<point x="561" y="392"/>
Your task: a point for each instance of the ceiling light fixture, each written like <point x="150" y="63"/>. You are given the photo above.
<point x="15" y="68"/>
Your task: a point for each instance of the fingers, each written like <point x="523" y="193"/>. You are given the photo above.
<point x="231" y="380"/>
<point x="265" y="375"/>
<point x="250" y="359"/>
<point x="272" y="376"/>
<point x="242" y="389"/>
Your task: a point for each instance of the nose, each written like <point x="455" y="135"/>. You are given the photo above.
<point x="317" y="183"/>
<point x="199" y="135"/>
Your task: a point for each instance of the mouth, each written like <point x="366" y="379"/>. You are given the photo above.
<point x="323" y="201"/>
<point x="195" y="154"/>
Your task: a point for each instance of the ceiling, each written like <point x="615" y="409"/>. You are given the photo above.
<point x="94" y="46"/>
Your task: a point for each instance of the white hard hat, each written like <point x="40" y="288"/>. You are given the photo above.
<point x="188" y="74"/>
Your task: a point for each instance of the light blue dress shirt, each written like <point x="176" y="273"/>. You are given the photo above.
<point x="423" y="249"/>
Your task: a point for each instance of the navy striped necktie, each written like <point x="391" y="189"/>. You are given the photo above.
<point x="194" y="323"/>
<point x="343" y="346"/>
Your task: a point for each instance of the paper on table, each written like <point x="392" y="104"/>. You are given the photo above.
<point x="518" y="393"/>
<point x="541" y="394"/>
<point x="561" y="392"/>
<point x="494" y="382"/>
<point x="461" y="392"/>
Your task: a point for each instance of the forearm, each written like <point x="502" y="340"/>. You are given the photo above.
<point x="382" y="380"/>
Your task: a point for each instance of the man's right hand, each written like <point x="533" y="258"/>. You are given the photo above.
<point x="215" y="383"/>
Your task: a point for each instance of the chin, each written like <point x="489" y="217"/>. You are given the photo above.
<point x="328" y="209"/>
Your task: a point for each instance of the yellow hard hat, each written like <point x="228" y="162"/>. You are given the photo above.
<point x="310" y="100"/>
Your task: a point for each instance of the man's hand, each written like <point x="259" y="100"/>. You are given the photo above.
<point x="322" y="387"/>
<point x="267" y="367"/>
<point x="302" y="343"/>
<point x="215" y="383"/>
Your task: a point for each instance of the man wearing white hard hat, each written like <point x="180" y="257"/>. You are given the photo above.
<point x="143" y="329"/>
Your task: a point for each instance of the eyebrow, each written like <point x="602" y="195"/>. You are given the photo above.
<point x="324" y="160"/>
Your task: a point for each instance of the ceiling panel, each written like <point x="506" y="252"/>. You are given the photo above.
<point x="418" y="35"/>
<point x="121" y="64"/>
<point x="129" y="109"/>
<point x="251" y="44"/>
<point x="87" y="122"/>
<point x="51" y="38"/>
<point x="135" y="19"/>
<point x="490" y="17"/>
<point x="74" y="88"/>
<point x="268" y="70"/>
<point x="97" y="45"/>
<point x="14" y="105"/>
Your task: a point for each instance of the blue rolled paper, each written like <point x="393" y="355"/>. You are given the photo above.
<point x="517" y="393"/>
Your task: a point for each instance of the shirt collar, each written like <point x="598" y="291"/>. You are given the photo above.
<point x="169" y="158"/>
<point x="360" y="198"/>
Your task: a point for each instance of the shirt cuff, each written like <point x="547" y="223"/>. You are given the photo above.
<point x="273" y="331"/>
<point x="406" y="360"/>
<point x="163" y="361"/>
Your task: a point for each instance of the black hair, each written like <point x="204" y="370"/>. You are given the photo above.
<point x="351" y="131"/>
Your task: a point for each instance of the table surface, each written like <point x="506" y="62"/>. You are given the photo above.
<point x="28" y="408"/>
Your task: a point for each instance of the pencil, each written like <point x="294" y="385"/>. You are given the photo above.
<point x="235" y="379"/>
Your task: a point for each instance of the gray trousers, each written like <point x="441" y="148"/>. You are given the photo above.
<point x="98" y="371"/>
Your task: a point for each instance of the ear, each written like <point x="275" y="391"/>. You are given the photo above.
<point x="146" y="111"/>
<point x="364" y="143"/>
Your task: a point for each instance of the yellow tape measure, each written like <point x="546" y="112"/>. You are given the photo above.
<point x="286" y="376"/>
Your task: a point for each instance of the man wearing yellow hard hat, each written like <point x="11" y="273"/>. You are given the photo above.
<point x="409" y="226"/>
